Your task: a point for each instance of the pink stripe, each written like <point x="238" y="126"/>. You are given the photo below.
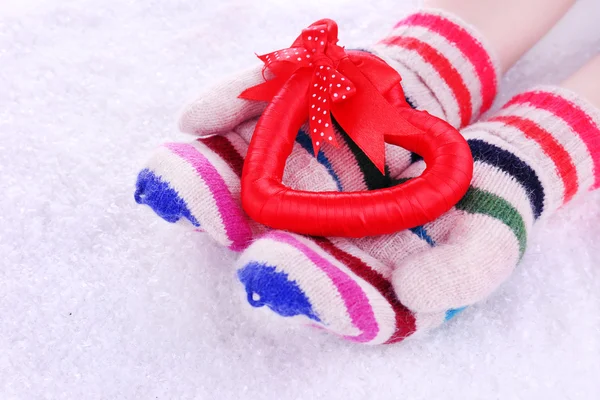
<point x="467" y="44"/>
<point x="354" y="297"/>
<point x="578" y="120"/>
<point x="235" y="223"/>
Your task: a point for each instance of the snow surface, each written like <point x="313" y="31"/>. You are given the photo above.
<point x="99" y="299"/>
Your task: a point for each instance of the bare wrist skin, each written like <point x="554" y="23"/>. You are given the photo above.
<point x="586" y="81"/>
<point x="510" y="27"/>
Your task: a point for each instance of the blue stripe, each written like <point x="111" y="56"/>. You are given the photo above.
<point x="163" y="199"/>
<point x="453" y="312"/>
<point x="514" y="166"/>
<point x="414" y="157"/>
<point x="411" y="102"/>
<point x="422" y="233"/>
<point x="304" y="140"/>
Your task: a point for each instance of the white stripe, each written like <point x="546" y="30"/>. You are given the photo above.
<point x="382" y="310"/>
<point x="527" y="150"/>
<point x="562" y="132"/>
<point x="246" y="129"/>
<point x="229" y="176"/>
<point x="241" y="146"/>
<point x="417" y="91"/>
<point x="397" y="159"/>
<point x="458" y="60"/>
<point x="438" y="229"/>
<point x="302" y="170"/>
<point x="414" y="170"/>
<point x="392" y="249"/>
<point x="186" y="181"/>
<point x="351" y="248"/>
<point x="238" y="143"/>
<point x="426" y="72"/>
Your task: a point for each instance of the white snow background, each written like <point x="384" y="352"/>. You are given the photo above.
<point x="100" y="299"/>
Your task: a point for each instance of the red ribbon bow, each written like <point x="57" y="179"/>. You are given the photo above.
<point x="353" y="93"/>
<point x="327" y="85"/>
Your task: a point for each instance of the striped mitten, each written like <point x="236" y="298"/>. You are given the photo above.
<point x="445" y="70"/>
<point x="539" y="152"/>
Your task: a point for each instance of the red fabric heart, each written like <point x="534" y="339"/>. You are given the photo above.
<point x="371" y="109"/>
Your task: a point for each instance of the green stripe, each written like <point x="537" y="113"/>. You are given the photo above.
<point x="478" y="201"/>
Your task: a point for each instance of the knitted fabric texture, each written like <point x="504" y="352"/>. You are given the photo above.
<point x="445" y="70"/>
<point x="541" y="150"/>
<point x="537" y="153"/>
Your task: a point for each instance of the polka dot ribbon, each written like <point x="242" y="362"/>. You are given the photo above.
<point x="328" y="85"/>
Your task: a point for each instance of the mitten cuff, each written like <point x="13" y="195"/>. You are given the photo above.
<point x="557" y="133"/>
<point x="450" y="58"/>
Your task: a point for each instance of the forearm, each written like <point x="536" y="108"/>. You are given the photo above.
<point x="586" y="82"/>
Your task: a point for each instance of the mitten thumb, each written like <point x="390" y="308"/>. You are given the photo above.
<point x="219" y="110"/>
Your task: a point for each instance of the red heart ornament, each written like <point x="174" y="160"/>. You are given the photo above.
<point x="372" y="112"/>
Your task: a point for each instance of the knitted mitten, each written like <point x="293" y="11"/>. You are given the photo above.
<point x="536" y="154"/>
<point x="445" y="70"/>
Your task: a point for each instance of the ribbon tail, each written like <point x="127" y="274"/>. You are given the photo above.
<point x="264" y="91"/>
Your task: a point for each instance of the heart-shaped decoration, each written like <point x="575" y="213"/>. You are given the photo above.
<point x="368" y="116"/>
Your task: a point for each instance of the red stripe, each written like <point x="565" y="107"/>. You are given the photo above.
<point x="441" y="64"/>
<point x="467" y="44"/>
<point x="405" y="320"/>
<point x="553" y="149"/>
<point x="578" y="120"/>
<point x="226" y="151"/>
